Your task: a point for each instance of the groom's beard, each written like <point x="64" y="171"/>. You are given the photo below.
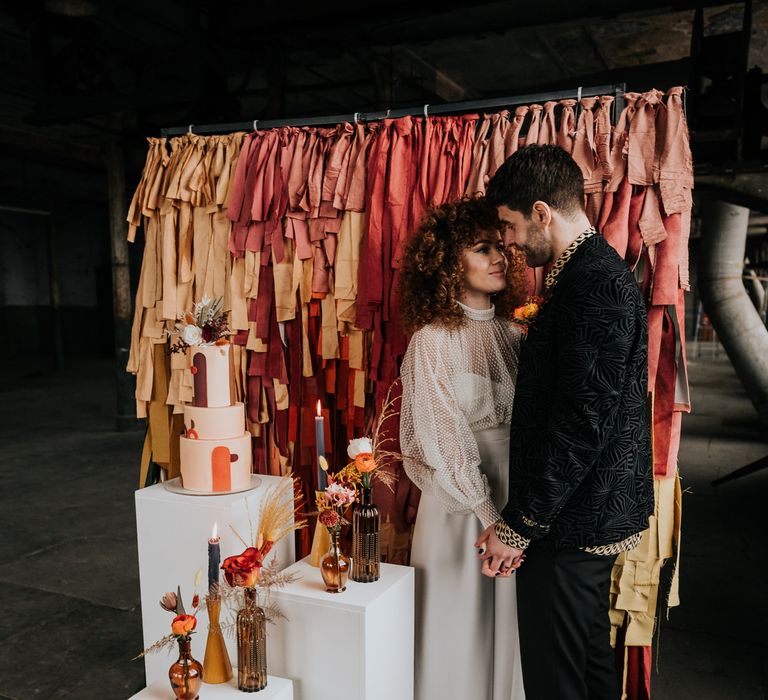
<point x="537" y="249"/>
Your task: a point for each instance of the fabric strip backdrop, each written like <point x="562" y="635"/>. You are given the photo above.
<point x="301" y="230"/>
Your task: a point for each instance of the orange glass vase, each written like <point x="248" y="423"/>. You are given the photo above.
<point x="186" y="674"/>
<point x="334" y="567"/>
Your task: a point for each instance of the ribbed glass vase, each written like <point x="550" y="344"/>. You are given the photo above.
<point x="366" y="550"/>
<point x="251" y="645"/>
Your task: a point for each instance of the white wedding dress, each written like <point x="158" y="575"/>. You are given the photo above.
<point x="458" y="389"/>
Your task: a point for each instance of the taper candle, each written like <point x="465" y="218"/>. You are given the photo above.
<point x="214" y="557"/>
<point x="322" y="480"/>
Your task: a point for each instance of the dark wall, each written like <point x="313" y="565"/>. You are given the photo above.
<point x="77" y="236"/>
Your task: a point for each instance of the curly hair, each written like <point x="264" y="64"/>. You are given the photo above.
<point x="432" y="274"/>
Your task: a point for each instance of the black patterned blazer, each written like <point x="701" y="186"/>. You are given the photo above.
<point x="580" y="456"/>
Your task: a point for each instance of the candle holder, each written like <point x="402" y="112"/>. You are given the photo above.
<point x="320" y="544"/>
<point x="218" y="668"/>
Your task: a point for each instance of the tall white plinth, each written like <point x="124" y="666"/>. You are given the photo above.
<point x="355" y="645"/>
<point x="173" y="531"/>
<point x="277" y="689"/>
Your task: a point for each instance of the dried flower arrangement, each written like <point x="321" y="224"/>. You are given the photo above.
<point x="183" y="625"/>
<point x="278" y="519"/>
<point x="369" y="454"/>
<point x="207" y="324"/>
<point x="247" y="570"/>
<point x="334" y="500"/>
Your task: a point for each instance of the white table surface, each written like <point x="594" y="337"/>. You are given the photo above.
<point x="277" y="689"/>
<point x="355" y="645"/>
<point x="172" y="534"/>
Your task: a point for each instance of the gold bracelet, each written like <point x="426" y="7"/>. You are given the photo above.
<point x="509" y="537"/>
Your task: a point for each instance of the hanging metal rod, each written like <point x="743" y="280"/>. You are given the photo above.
<point x="450" y="107"/>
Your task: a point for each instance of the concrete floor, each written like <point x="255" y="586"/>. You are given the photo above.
<point x="70" y="621"/>
<point x="714" y="644"/>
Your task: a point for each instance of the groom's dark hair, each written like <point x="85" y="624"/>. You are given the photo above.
<point x="538" y="173"/>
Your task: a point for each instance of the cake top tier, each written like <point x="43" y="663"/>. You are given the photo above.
<point x="213" y="376"/>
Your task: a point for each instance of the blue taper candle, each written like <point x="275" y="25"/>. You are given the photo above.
<point x="322" y="480"/>
<point x="214" y="557"/>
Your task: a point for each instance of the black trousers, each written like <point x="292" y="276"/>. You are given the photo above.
<point x="562" y="602"/>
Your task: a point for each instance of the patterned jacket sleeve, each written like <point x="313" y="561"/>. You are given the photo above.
<point x="595" y="334"/>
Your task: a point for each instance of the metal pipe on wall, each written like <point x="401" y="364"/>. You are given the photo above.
<point x="726" y="302"/>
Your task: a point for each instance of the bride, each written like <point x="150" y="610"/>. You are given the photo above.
<point x="458" y="289"/>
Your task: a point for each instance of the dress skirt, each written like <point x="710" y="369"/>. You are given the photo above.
<point x="466" y="624"/>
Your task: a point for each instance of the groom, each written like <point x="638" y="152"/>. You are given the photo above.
<point x="580" y="473"/>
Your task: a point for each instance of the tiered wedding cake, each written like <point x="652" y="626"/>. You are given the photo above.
<point x="215" y="447"/>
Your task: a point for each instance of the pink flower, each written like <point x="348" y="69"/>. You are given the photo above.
<point x="339" y="495"/>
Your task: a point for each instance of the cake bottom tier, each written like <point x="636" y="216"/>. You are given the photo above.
<point x="213" y="466"/>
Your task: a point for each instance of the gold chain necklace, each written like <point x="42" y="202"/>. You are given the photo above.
<point x="565" y="256"/>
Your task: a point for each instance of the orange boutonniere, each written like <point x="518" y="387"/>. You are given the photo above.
<point x="526" y="314"/>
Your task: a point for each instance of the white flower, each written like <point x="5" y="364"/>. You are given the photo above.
<point x="359" y="445"/>
<point x="193" y="335"/>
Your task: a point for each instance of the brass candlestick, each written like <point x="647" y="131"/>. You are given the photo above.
<point x="320" y="543"/>
<point x="216" y="664"/>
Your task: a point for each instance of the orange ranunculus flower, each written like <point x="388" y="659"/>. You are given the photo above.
<point x="365" y="462"/>
<point x="243" y="570"/>
<point x="527" y="312"/>
<point x="182" y="625"/>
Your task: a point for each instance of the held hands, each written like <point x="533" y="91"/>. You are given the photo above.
<point x="499" y="559"/>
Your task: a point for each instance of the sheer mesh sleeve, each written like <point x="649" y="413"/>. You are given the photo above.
<point x="435" y="430"/>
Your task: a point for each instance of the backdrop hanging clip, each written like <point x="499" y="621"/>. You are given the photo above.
<point x="189" y="130"/>
<point x="426" y="111"/>
<point x="255" y="124"/>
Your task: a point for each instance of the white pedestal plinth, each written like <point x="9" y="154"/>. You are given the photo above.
<point x="173" y="532"/>
<point x="277" y="689"/>
<point x="355" y="645"/>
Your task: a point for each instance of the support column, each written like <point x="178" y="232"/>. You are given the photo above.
<point x="121" y="286"/>
<point x="54" y="293"/>
<point x="733" y="315"/>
